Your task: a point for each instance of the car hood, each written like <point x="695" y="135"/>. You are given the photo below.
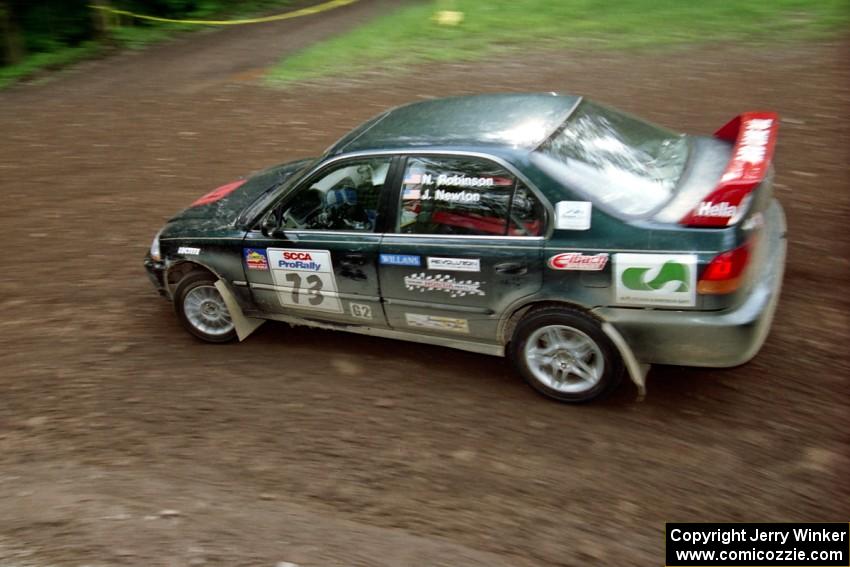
<point x="222" y="206"/>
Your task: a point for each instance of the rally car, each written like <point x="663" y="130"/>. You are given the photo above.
<point x="579" y="241"/>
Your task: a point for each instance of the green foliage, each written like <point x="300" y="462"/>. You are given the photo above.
<point x="410" y="34"/>
<point x="48" y="60"/>
<point x="54" y="33"/>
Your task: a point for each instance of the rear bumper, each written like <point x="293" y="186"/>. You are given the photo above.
<point x="716" y="338"/>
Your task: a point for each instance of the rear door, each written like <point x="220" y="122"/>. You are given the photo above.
<point x="466" y="244"/>
<point x="324" y="265"/>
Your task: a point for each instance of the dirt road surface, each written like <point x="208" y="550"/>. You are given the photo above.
<point x="123" y="441"/>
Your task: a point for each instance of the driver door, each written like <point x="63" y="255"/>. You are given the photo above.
<point x="322" y="263"/>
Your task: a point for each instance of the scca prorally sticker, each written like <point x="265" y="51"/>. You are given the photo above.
<point x="307" y="277"/>
<point x="400" y="260"/>
<point x="188" y="251"/>
<point x="573" y="215"/>
<point x="438" y="323"/>
<point x="454" y="264"/>
<point x="360" y="310"/>
<point x="578" y="261"/>
<point x="664" y="280"/>
<point x="255" y="259"/>
<point x="443" y="282"/>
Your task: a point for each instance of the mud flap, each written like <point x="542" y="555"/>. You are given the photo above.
<point x="244" y="325"/>
<point x="637" y="371"/>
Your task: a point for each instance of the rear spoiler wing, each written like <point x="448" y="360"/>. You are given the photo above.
<point x="754" y="137"/>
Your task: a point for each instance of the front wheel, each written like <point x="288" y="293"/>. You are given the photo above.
<point x="201" y="309"/>
<point x="564" y="354"/>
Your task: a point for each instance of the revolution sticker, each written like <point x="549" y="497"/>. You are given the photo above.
<point x="255" y="259"/>
<point x="437" y="323"/>
<point x="307" y="279"/>
<point x="443" y="282"/>
<point x="664" y="280"/>
<point x="454" y="264"/>
<point x="578" y="261"/>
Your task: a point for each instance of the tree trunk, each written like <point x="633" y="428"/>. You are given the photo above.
<point x="10" y="35"/>
<point x="101" y="20"/>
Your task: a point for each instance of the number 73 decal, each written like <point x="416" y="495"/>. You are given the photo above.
<point x="307" y="279"/>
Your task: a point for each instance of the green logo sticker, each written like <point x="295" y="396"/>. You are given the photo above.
<point x="662" y="280"/>
<point x="635" y="278"/>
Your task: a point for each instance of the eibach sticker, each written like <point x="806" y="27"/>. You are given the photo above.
<point x="579" y="262"/>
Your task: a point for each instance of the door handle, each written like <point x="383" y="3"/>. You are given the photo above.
<point x="511" y="268"/>
<point x="353" y="259"/>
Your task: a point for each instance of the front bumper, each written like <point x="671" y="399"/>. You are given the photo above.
<point x="156" y="273"/>
<point x="712" y="339"/>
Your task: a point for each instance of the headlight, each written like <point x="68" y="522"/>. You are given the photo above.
<point x="155" y="247"/>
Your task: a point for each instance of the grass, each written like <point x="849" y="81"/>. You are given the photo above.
<point x="410" y="35"/>
<point x="44" y="61"/>
<point x="131" y="35"/>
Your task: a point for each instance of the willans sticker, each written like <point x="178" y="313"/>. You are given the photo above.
<point x="443" y="282"/>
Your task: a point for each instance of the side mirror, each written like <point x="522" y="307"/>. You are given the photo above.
<point x="270" y="225"/>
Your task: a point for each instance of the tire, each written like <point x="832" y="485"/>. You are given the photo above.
<point x="201" y="309"/>
<point x="564" y="354"/>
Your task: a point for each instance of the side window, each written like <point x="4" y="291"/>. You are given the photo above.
<point x="527" y="214"/>
<point x="465" y="196"/>
<point x="344" y="198"/>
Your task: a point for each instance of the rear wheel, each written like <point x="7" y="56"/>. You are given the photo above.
<point x="201" y="308"/>
<point x="564" y="354"/>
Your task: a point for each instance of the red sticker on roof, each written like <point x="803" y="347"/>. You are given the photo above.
<point x="754" y="135"/>
<point x="218" y="193"/>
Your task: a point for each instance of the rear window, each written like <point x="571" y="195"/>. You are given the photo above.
<point x="628" y="164"/>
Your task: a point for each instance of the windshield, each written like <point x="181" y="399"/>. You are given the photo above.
<point x="620" y="161"/>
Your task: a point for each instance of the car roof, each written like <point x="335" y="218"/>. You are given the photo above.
<point x="518" y="121"/>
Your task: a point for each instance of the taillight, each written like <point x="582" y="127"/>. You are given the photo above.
<point x="725" y="272"/>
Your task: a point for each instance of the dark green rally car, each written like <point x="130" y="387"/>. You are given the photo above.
<point x="579" y="241"/>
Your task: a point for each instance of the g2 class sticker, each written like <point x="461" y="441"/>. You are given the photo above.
<point x="454" y="264"/>
<point x="188" y="251"/>
<point x="307" y="279"/>
<point x="443" y="282"/>
<point x="438" y="323"/>
<point x="578" y="261"/>
<point x="665" y="280"/>
<point x="360" y="310"/>
<point x="573" y="215"/>
<point x="400" y="260"/>
<point x="255" y="259"/>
